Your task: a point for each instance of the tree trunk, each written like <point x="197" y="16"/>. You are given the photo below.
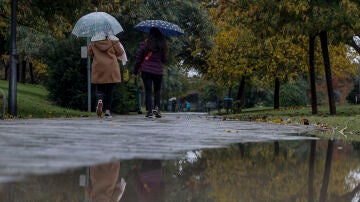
<point x="2" y="51"/>
<point x="229" y="92"/>
<point x="277" y="94"/>
<point x="325" y="53"/>
<point x="312" y="74"/>
<point x="23" y="71"/>
<point x="324" y="187"/>
<point x="18" y="64"/>
<point x="2" y="47"/>
<point x="241" y="93"/>
<point x="276" y="148"/>
<point x="311" y="171"/>
<point x="242" y="150"/>
<point x="7" y="65"/>
<point x="218" y="105"/>
<point x="31" y="70"/>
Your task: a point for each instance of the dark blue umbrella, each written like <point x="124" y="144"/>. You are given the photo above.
<point x="166" y="28"/>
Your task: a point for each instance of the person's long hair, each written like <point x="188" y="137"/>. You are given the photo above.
<point x="156" y="42"/>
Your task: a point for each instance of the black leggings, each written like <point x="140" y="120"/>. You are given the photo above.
<point x="149" y="79"/>
<point x="105" y="93"/>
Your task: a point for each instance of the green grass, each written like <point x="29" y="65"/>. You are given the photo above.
<point x="344" y="125"/>
<point x="32" y="102"/>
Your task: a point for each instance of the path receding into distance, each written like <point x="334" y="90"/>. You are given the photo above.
<point x="40" y="146"/>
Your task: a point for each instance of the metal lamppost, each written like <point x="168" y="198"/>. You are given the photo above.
<point x="13" y="62"/>
<point x="85" y="55"/>
<point x="88" y="77"/>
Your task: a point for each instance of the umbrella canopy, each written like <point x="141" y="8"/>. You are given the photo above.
<point x="96" y="23"/>
<point x="166" y="28"/>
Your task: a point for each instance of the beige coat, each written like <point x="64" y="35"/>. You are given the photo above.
<point x="105" y="66"/>
<point x="104" y="183"/>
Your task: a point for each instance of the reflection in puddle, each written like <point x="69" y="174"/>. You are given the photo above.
<point x="104" y="182"/>
<point x="310" y="170"/>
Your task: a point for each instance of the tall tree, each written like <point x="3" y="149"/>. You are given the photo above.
<point x="255" y="46"/>
<point x="266" y="19"/>
<point x="323" y="18"/>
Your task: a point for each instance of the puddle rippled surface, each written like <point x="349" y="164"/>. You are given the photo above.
<point x="299" y="170"/>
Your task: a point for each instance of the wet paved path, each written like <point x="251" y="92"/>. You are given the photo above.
<point x="39" y="146"/>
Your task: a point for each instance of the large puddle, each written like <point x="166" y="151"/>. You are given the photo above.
<point x="296" y="170"/>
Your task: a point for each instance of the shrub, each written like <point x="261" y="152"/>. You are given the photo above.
<point x="256" y="96"/>
<point x="67" y="82"/>
<point x="293" y="94"/>
<point x="124" y="100"/>
<point x="351" y="96"/>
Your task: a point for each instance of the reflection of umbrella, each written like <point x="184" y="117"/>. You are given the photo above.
<point x="96" y="23"/>
<point x="166" y="28"/>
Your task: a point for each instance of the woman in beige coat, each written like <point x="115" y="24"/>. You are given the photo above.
<point x="105" y="71"/>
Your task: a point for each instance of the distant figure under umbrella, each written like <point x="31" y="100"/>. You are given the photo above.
<point x="105" y="72"/>
<point x="188" y="106"/>
<point x="150" y="57"/>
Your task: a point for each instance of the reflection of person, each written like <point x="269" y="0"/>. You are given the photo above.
<point x="104" y="185"/>
<point x="150" y="57"/>
<point x="150" y="184"/>
<point x="105" y="71"/>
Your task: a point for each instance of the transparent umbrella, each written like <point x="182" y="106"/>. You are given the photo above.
<point x="96" y="23"/>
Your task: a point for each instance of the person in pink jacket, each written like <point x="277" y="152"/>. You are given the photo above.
<point x="150" y="58"/>
<point x="105" y="72"/>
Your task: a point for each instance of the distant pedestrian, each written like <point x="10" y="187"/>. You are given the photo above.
<point x="337" y="96"/>
<point x="173" y="104"/>
<point x="188" y="106"/>
<point x="150" y="57"/>
<point x="105" y="72"/>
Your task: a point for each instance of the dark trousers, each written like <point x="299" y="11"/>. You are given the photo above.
<point x="105" y="93"/>
<point x="150" y="80"/>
